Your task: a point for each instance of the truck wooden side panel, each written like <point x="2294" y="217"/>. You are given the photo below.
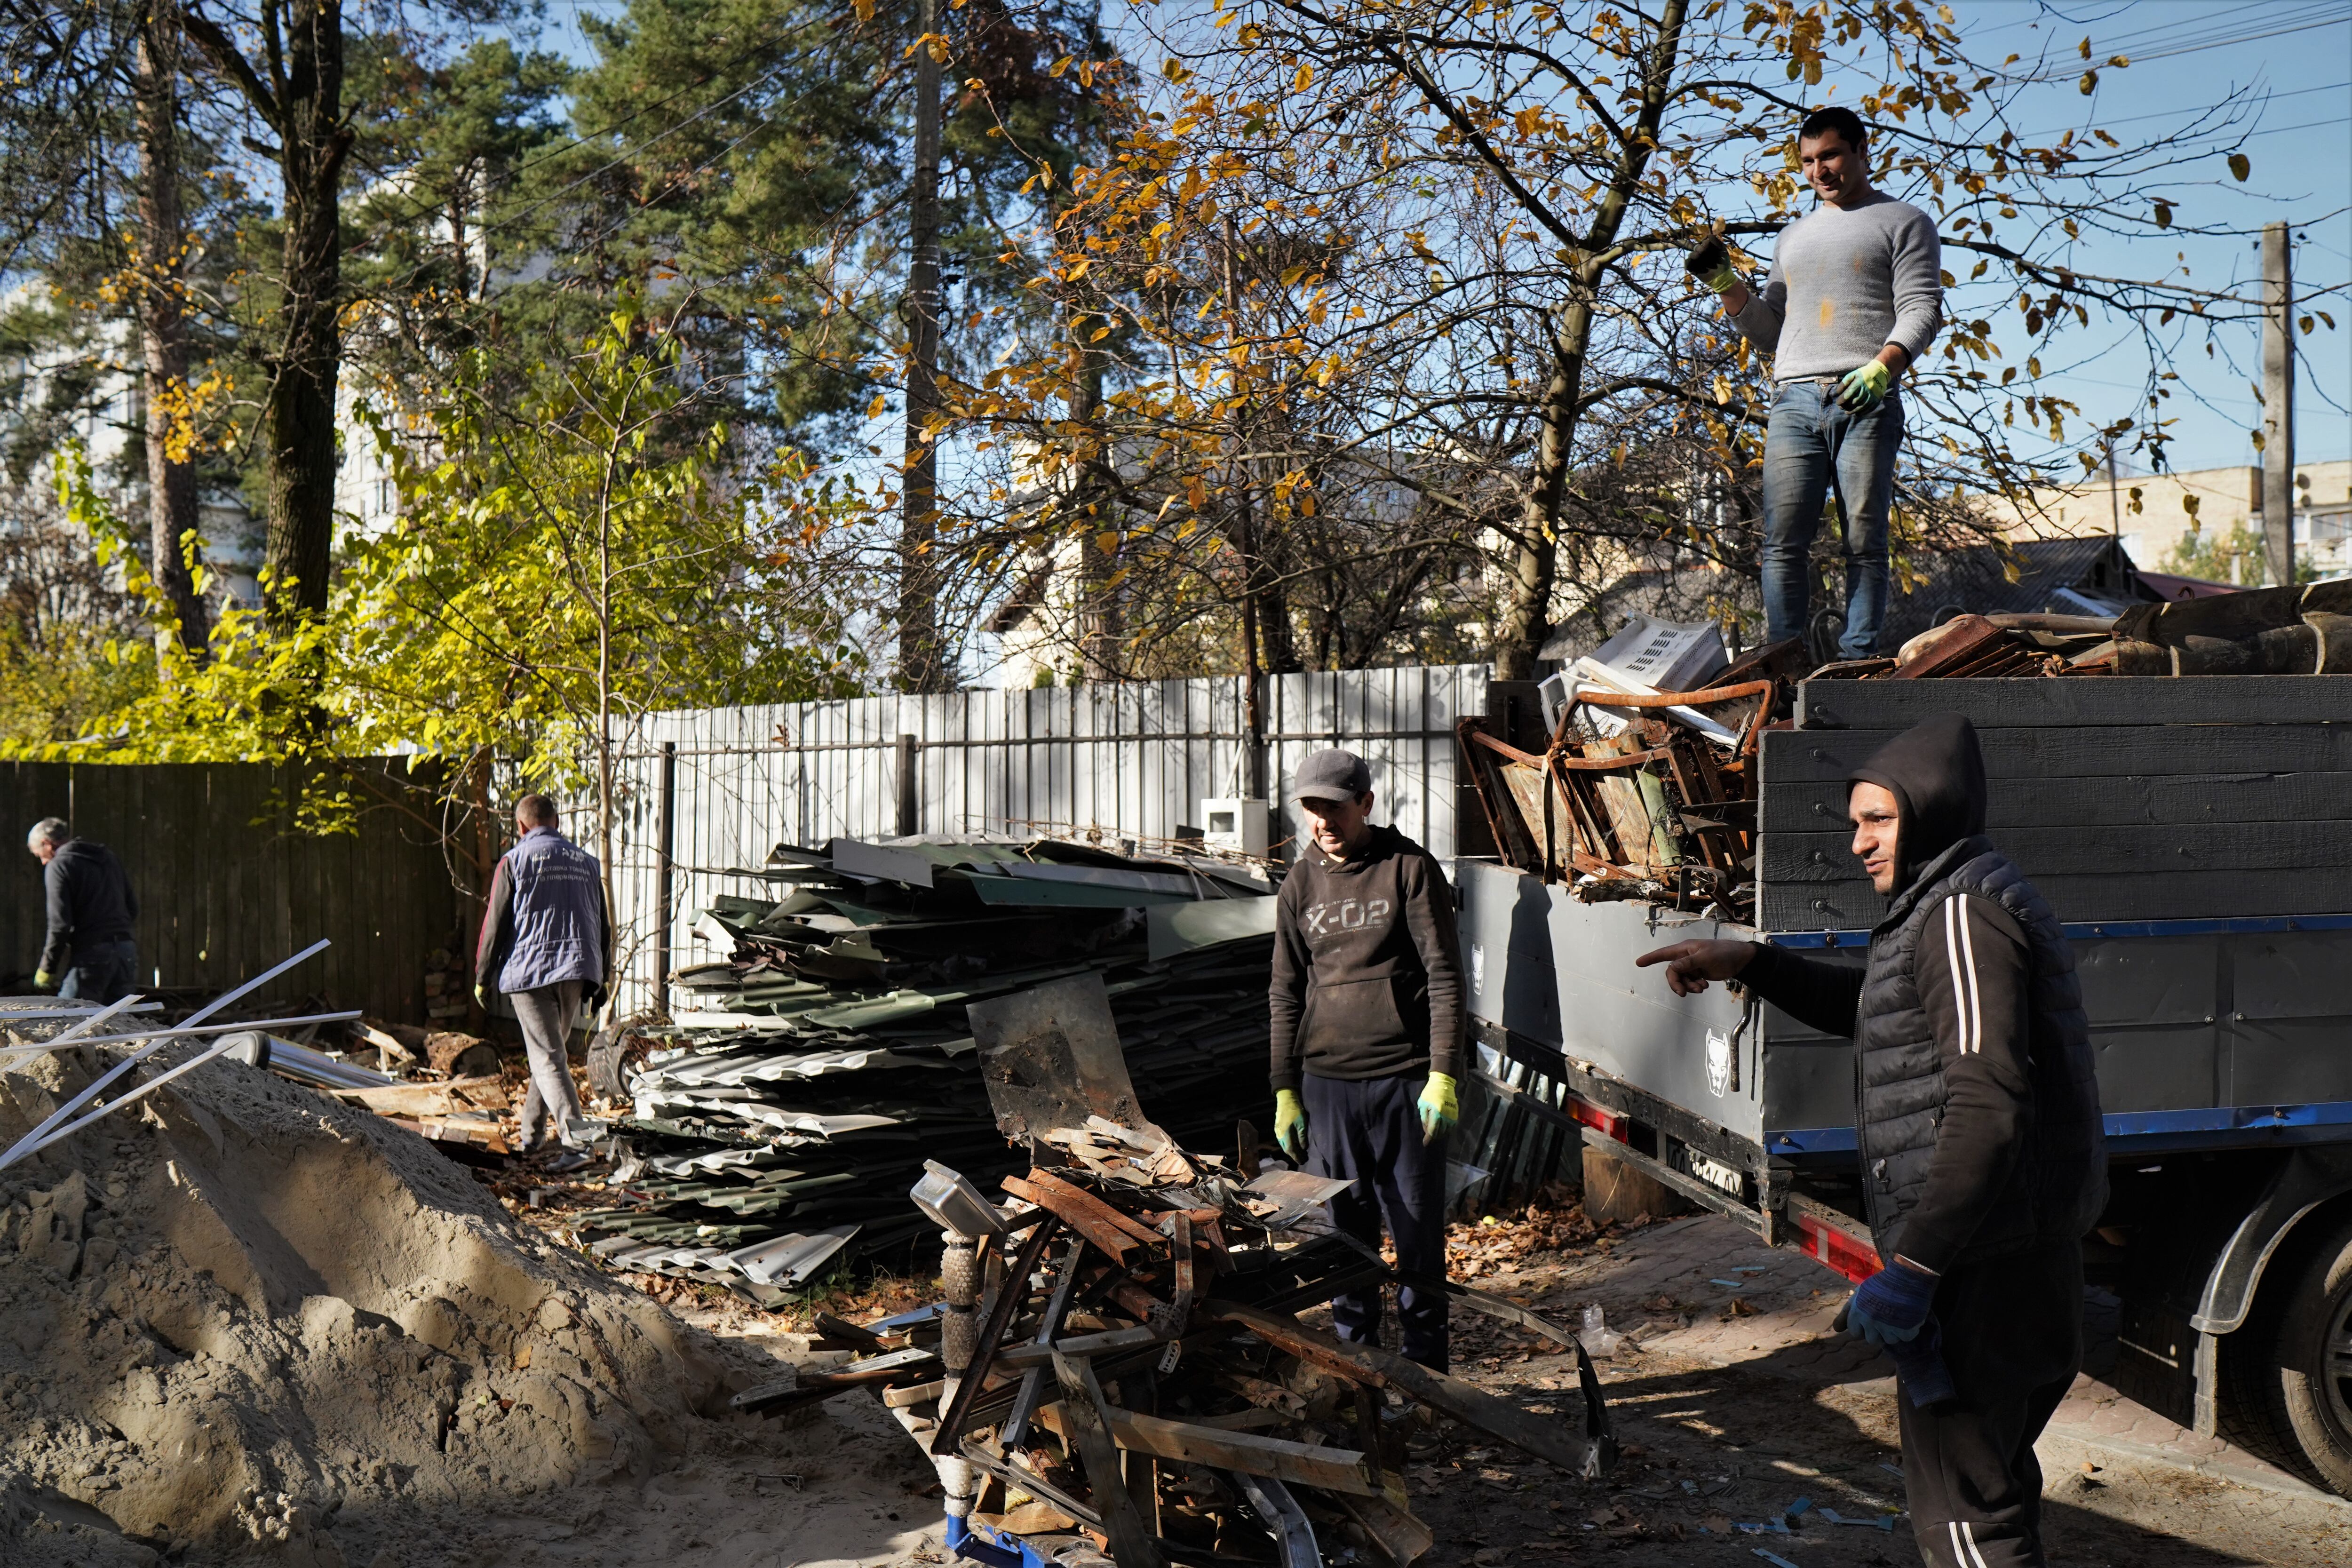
<point x="2124" y="799"/>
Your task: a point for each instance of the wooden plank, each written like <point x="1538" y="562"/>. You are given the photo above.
<point x="1447" y="1395"/>
<point x="1109" y="1342"/>
<point x="1818" y="757"/>
<point x="1084" y="1415"/>
<point x="1397" y="1532"/>
<point x="2062" y="803"/>
<point x="1227" y="1448"/>
<point x="1108" y="1238"/>
<point x="448" y="1099"/>
<point x="1067" y="1193"/>
<point x="2152" y="849"/>
<point x="2084" y="899"/>
<point x="2073" y="703"/>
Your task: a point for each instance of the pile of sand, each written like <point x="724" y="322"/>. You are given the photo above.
<point x="249" y="1322"/>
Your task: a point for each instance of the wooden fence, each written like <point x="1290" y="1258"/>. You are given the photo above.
<point x="228" y="885"/>
<point x="707" y="791"/>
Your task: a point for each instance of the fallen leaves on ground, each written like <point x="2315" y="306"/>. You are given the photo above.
<point x="1555" y="1223"/>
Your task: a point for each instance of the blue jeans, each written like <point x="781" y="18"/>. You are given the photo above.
<point x="1813" y="448"/>
<point x="102" y="972"/>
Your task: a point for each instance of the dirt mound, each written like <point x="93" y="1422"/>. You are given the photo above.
<point x="248" y="1322"/>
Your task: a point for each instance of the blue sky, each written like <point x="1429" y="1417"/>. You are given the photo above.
<point x="2186" y="54"/>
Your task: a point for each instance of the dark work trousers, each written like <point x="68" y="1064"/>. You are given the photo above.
<point x="102" y="972"/>
<point x="2013" y="1339"/>
<point x="1368" y="1131"/>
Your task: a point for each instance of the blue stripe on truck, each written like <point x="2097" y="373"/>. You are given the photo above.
<point x="2235" y="925"/>
<point x="2127" y="1124"/>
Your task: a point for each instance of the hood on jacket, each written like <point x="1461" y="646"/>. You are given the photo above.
<point x="1937" y="773"/>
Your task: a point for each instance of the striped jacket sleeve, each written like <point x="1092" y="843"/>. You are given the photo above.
<point x="1973" y="971"/>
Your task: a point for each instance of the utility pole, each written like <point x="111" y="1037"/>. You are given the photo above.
<point x="2278" y="405"/>
<point x="921" y="659"/>
<point x="2114" y="505"/>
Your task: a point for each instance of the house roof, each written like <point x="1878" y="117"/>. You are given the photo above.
<point x="1975" y="580"/>
<point x="2165" y="585"/>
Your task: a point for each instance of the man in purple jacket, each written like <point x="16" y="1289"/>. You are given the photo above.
<point x="547" y="943"/>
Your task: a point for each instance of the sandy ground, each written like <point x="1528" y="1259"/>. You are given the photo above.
<point x="1728" y="1417"/>
<point x="845" y="1488"/>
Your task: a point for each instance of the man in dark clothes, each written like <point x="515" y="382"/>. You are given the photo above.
<point x="1984" y="1159"/>
<point x="1366" y="1014"/>
<point x="89" y="953"/>
<point x="547" y="943"/>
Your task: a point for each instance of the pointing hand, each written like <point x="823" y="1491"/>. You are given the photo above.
<point x="1691" y="964"/>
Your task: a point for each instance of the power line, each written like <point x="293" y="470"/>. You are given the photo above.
<point x="2203" y="31"/>
<point x="635" y="114"/>
<point x="2168" y="113"/>
<point x="2328" y="16"/>
<point x="2306" y="125"/>
<point x="760" y="81"/>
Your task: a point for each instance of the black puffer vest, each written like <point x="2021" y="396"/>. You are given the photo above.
<point x="2060" y="1183"/>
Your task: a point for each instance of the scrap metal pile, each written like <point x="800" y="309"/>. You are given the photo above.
<point x="820" y="1065"/>
<point x="1117" y="1367"/>
<point x="2305" y="629"/>
<point x="1652" y="746"/>
<point x="1647" y="788"/>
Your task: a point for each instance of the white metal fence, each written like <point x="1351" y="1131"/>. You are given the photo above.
<point x="707" y="791"/>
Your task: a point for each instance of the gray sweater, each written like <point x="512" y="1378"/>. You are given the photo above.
<point x="1846" y="283"/>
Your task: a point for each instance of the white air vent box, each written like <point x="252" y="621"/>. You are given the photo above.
<point x="1234" y="824"/>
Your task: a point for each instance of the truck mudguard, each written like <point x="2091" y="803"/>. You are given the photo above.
<point x="2309" y="1177"/>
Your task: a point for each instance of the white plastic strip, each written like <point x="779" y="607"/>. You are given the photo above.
<point x="64" y="1044"/>
<point x="39" y="1136"/>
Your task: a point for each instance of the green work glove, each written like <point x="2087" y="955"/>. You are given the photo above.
<point x="1860" y="391"/>
<point x="1711" y="264"/>
<point x="1439" y="1108"/>
<point x="1290" y="1122"/>
<point x="44" y="981"/>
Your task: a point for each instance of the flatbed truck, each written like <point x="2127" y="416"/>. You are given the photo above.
<point x="2194" y="835"/>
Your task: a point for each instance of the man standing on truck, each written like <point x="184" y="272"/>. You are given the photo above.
<point x="1368" y="1028"/>
<point x="1983" y="1158"/>
<point x="1856" y="296"/>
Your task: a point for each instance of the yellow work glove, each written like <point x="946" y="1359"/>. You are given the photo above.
<point x="1290" y="1122"/>
<point x="1862" y="390"/>
<point x="1439" y="1108"/>
<point x="44" y="981"/>
<point x="482" y="996"/>
<point x="1711" y="264"/>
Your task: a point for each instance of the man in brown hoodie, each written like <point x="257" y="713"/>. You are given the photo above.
<point x="1368" y="1029"/>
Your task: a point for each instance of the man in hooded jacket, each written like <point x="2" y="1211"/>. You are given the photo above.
<point x="1983" y="1161"/>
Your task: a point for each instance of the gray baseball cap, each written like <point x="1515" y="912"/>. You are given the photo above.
<point x="1333" y="774"/>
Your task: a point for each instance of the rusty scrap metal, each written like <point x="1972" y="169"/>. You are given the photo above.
<point x="1159" y="1392"/>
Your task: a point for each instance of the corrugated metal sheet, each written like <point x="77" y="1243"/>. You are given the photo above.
<point x="1128" y="759"/>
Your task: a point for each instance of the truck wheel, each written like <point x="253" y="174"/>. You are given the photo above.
<point x="2287" y="1374"/>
